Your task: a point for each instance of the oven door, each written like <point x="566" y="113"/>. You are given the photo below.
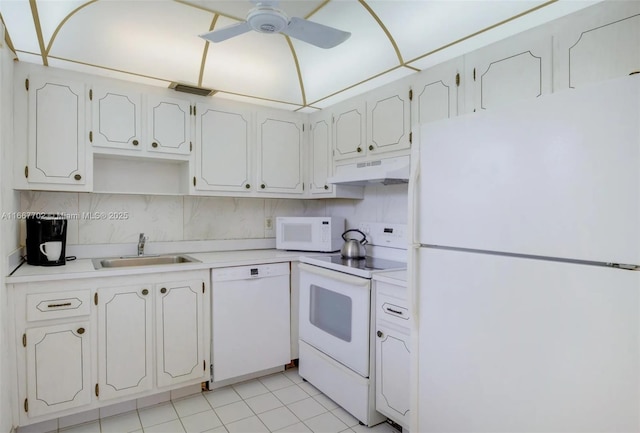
<point x="334" y="315"/>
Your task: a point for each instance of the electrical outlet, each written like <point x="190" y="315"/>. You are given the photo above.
<point x="268" y="223"/>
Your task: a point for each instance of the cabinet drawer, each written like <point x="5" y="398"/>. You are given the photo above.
<point x="45" y="306"/>
<point x="392" y="309"/>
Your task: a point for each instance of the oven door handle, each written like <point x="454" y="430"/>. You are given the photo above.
<point x="335" y="275"/>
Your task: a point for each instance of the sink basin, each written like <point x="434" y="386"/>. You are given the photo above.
<point x="121" y="262"/>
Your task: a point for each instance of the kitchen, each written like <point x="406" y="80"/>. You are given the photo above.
<point x="191" y="218"/>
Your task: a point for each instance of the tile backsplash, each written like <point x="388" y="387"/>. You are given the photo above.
<point x="119" y="218"/>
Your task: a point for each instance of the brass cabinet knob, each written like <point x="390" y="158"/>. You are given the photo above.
<point x="247" y="186"/>
<point x="135" y="142"/>
<point x="80" y="331"/>
<point x="263" y="186"/>
<point x="163" y="290"/>
<point x="145" y="292"/>
<point x="77" y="177"/>
<point x="371" y="147"/>
<point x="359" y="149"/>
<point x="154" y="144"/>
<point x="379" y="334"/>
<point x="326" y="187"/>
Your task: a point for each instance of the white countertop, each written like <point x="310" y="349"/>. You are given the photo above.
<point x="392" y="277"/>
<point x="83" y="268"/>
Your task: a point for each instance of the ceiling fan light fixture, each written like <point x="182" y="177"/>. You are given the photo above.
<point x="267" y="20"/>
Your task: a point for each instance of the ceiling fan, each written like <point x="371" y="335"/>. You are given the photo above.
<point x="265" y="17"/>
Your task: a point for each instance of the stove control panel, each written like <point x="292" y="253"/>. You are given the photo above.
<point x="386" y="235"/>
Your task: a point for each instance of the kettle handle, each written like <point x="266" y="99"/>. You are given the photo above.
<point x="364" y="237"/>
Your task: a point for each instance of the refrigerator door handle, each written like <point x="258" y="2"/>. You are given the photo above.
<point x="623" y="266"/>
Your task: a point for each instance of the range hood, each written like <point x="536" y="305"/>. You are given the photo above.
<point x="386" y="171"/>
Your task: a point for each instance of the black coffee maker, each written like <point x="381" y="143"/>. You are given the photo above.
<point x="46" y="240"/>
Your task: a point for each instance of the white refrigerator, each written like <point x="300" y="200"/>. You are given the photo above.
<point x="526" y="241"/>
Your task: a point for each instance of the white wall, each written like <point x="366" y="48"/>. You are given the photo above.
<point x="383" y="204"/>
<point x="164" y="218"/>
<point x="9" y="202"/>
<point x="185" y="218"/>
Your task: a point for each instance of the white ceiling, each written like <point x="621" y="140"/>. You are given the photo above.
<point x="156" y="42"/>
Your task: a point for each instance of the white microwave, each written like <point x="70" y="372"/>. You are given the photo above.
<point x="322" y="234"/>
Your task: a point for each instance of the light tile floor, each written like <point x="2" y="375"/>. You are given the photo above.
<point x="281" y="402"/>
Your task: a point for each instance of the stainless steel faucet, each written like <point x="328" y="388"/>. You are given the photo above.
<point x="141" y="241"/>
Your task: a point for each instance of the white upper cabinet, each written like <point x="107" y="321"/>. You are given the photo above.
<point x="56" y="134"/>
<point x="169" y="125"/>
<point x="511" y="70"/>
<point x="320" y="165"/>
<point x="371" y="124"/>
<point x="280" y="152"/>
<point x="116" y="118"/>
<point x="389" y="118"/>
<point x="349" y="129"/>
<point x="436" y="92"/>
<point x="223" y="148"/>
<point x="126" y="119"/>
<point x="599" y="43"/>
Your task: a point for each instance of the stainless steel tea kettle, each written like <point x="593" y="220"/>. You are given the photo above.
<point x="353" y="248"/>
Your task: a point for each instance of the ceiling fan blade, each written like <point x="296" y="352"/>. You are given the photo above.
<point x="315" y="34"/>
<point x="226" y="32"/>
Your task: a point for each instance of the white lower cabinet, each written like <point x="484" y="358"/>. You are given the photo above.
<point x="179" y="332"/>
<point x="87" y="343"/>
<point x="126" y="317"/>
<point x="393" y="352"/>
<point x="124" y="341"/>
<point x="58" y="367"/>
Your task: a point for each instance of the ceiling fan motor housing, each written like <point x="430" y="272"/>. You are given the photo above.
<point x="267" y="20"/>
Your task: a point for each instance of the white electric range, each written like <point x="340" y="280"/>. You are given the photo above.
<point x="337" y="346"/>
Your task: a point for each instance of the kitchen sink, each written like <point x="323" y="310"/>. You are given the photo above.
<point x="121" y="262"/>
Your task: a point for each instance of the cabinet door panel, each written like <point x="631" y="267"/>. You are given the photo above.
<point x="179" y="333"/>
<point x="393" y="378"/>
<point x="116" y="118"/>
<point x="598" y="44"/>
<point x="169" y="125"/>
<point x="320" y="153"/>
<point x="279" y="154"/>
<point x="437" y="93"/>
<point x="515" y="69"/>
<point x="349" y="130"/>
<point x="389" y="119"/>
<point x="56" y="131"/>
<point x="434" y="101"/>
<point x="124" y="341"/>
<point x="222" y="149"/>
<point x="58" y="368"/>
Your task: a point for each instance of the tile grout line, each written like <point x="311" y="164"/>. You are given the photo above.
<point x="178" y="415"/>
<point x="290" y="384"/>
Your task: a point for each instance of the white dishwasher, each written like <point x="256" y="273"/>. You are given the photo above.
<point x="250" y="319"/>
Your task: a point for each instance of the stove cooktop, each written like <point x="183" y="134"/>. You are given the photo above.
<point x="361" y="267"/>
